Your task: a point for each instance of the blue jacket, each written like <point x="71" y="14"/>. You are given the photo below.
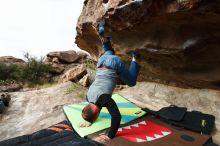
<point x="112" y="61"/>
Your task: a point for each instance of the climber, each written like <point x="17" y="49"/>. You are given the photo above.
<point x="109" y="67"/>
<point x="4" y="101"/>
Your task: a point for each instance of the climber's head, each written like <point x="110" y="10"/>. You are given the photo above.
<point x="91" y="112"/>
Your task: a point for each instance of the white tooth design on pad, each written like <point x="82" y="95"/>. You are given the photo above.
<point x="135" y="125"/>
<point x="149" y="138"/>
<point x="158" y="136"/>
<point x="120" y="129"/>
<point x="165" y="133"/>
<point x="128" y="127"/>
<point x="140" y="140"/>
<point x="143" y="122"/>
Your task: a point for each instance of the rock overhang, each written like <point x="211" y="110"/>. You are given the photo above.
<point x="177" y="39"/>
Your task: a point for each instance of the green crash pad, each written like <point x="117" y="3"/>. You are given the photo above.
<point x="128" y="110"/>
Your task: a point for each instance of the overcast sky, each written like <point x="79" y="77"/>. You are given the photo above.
<point x="38" y="26"/>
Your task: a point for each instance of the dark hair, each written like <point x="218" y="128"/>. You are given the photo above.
<point x="89" y="114"/>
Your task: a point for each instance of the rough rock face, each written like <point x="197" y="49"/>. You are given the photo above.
<point x="178" y="39"/>
<point x="30" y="111"/>
<point x="72" y="59"/>
<point x="11" y="60"/>
<point x="74" y="74"/>
<point x="85" y="81"/>
<point x="57" y="68"/>
<point x="63" y="56"/>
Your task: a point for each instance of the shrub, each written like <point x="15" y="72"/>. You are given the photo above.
<point x="10" y="72"/>
<point x="35" y="71"/>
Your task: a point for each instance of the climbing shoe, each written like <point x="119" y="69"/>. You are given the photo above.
<point x="102" y="28"/>
<point x="135" y="54"/>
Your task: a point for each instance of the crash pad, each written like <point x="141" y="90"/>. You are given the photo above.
<point x="60" y="134"/>
<point x="151" y="131"/>
<point x="143" y="131"/>
<point x="128" y="110"/>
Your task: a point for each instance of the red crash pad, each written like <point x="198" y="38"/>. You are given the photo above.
<point x="143" y="131"/>
<point x="154" y="133"/>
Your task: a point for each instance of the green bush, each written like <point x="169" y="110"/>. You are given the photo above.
<point x="35" y="71"/>
<point x="9" y="73"/>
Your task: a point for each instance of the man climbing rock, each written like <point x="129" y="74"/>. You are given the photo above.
<point x="4" y="101"/>
<point x="109" y="68"/>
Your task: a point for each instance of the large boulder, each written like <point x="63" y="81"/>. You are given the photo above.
<point x="63" y="56"/>
<point x="74" y="74"/>
<point x="57" y="68"/>
<point x="11" y="60"/>
<point x="178" y="39"/>
<point x="82" y="54"/>
<point x="85" y="81"/>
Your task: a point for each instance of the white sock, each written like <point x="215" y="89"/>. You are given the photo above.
<point x="133" y="59"/>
